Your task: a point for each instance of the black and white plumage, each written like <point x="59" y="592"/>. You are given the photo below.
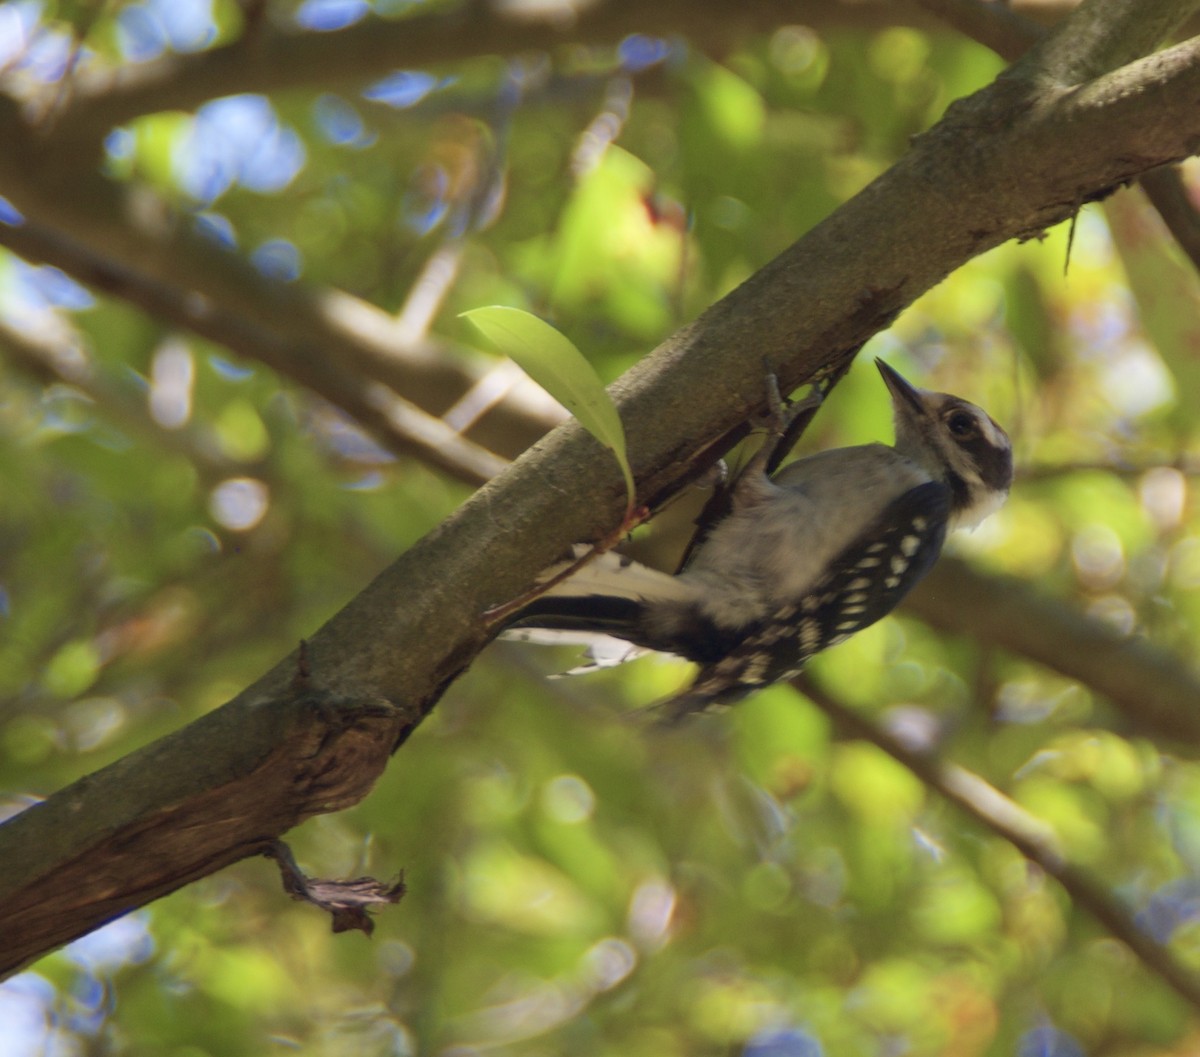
<point x="803" y="560"/>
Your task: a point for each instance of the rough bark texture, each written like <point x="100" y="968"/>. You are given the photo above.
<point x="182" y="808"/>
<point x="1006" y="163"/>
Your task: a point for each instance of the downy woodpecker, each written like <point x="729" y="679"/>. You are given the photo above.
<point x="803" y="560"/>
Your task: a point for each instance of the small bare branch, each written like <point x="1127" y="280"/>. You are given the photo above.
<point x="1169" y="195"/>
<point x="1156" y="692"/>
<point x="348" y="902"/>
<point x="398" y="425"/>
<point x="1030" y="836"/>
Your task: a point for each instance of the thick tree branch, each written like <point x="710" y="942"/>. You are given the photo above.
<point x="1104" y="37"/>
<point x="183" y="807"/>
<point x="1010" y="36"/>
<point x="1005" y="163"/>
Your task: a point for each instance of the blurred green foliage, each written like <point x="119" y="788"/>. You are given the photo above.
<point x="752" y="883"/>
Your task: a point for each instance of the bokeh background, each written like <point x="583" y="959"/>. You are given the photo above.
<point x="178" y="509"/>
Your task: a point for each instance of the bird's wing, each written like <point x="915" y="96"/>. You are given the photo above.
<point x="865" y="582"/>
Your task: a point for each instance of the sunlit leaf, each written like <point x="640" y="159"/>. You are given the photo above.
<point x="553" y="361"/>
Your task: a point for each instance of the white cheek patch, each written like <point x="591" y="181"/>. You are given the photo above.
<point x="992" y="433"/>
<point x="977" y="512"/>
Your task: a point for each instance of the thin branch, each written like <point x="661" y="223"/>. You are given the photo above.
<point x="398" y="425"/>
<point x="272" y="59"/>
<point x="275" y="59"/>
<point x="429" y="438"/>
<point x="60" y="359"/>
<point x="1030" y="836"/>
<point x="1169" y="195"/>
<point x="1156" y="692"/>
<point x="123" y="234"/>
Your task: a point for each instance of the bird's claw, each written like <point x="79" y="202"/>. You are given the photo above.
<point x="780" y="417"/>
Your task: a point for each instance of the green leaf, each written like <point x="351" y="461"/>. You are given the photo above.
<point x="553" y="361"/>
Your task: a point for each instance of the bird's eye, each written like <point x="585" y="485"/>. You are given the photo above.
<point x="961" y="424"/>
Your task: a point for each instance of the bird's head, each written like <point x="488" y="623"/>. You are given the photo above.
<point x="954" y="441"/>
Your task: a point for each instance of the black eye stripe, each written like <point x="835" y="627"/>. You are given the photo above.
<point x="994" y="464"/>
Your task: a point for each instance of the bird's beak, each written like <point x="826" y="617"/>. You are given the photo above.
<point x="902" y="392"/>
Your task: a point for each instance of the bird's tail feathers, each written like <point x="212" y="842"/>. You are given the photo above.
<point x="605" y="625"/>
<point x="613" y="575"/>
<point x="603" y="651"/>
<point x="601" y="605"/>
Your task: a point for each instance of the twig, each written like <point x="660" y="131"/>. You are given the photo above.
<point x="981" y="801"/>
<point x="604" y="128"/>
<point x="634" y="516"/>
<point x="348" y="903"/>
<point x="53" y="361"/>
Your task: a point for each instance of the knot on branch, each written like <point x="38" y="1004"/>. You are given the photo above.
<point x="345" y="743"/>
